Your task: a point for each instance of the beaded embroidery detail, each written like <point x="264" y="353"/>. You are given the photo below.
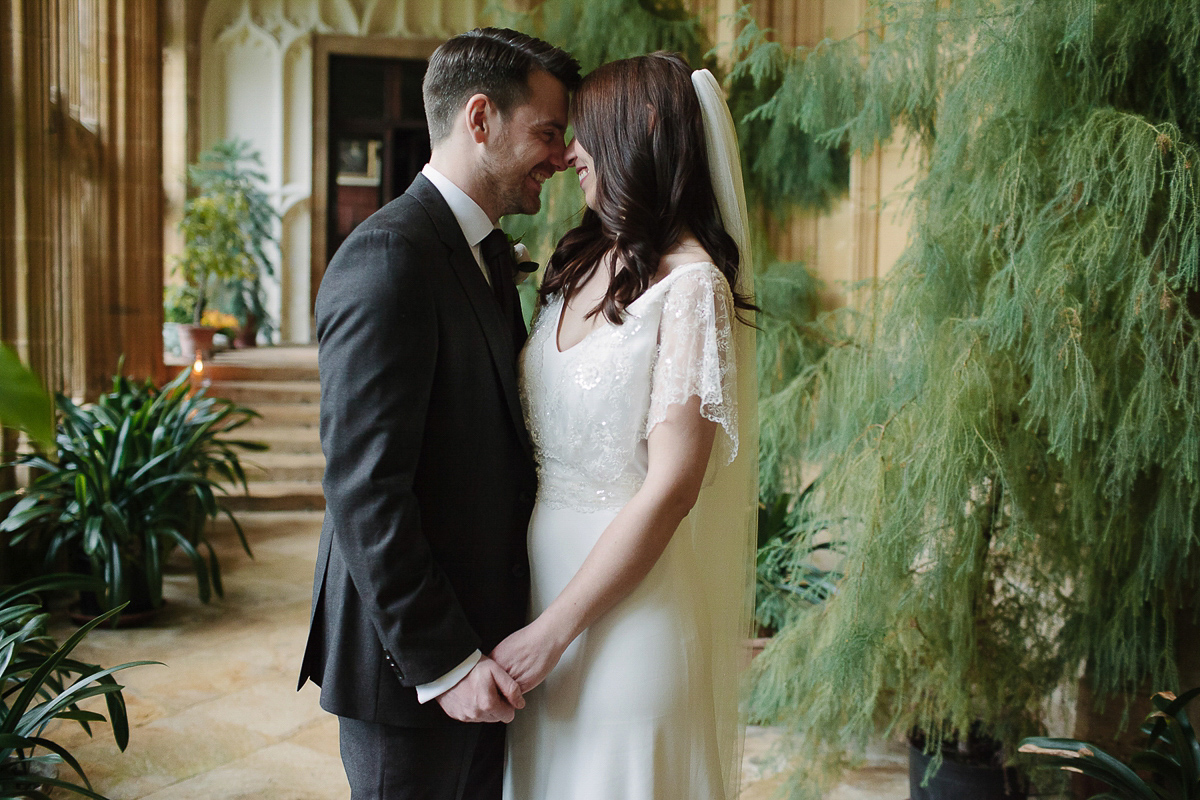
<point x="590" y="408"/>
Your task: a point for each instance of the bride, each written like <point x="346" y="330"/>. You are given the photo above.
<point x="638" y="389"/>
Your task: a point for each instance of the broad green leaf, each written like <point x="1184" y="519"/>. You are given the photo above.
<point x="24" y="402"/>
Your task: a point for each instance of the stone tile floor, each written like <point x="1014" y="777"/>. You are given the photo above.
<point x="222" y="718"/>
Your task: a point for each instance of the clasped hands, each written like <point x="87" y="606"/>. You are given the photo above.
<point x="493" y="691"/>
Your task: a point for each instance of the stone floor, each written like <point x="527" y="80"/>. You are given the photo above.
<point x="222" y="718"/>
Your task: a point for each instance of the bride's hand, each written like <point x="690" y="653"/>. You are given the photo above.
<point x="529" y="654"/>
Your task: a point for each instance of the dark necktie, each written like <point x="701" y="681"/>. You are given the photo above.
<point x="497" y="255"/>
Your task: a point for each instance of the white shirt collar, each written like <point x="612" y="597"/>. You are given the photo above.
<point x="471" y="218"/>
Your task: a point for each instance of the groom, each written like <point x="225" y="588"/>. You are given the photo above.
<point x="429" y="480"/>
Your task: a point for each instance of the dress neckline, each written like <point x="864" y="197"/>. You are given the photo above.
<point x="562" y="307"/>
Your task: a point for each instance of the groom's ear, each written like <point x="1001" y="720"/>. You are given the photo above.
<point x="480" y="116"/>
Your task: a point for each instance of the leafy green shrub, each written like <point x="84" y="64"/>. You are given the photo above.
<point x="179" y="304"/>
<point x="136" y="475"/>
<point x="787" y="581"/>
<point x="40" y="683"/>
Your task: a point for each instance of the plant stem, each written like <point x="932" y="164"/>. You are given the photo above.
<point x="198" y="312"/>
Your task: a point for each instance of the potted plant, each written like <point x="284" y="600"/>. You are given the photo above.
<point x="227" y="226"/>
<point x="1012" y="441"/>
<point x="136" y="476"/>
<point x="40" y="683"/>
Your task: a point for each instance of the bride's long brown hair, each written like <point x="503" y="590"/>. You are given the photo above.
<point x="640" y="120"/>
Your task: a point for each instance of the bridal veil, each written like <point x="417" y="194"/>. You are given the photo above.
<point x="724" y="521"/>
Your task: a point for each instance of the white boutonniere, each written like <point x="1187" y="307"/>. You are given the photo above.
<point x="526" y="266"/>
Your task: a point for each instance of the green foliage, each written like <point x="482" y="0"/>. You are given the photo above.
<point x="1170" y="759"/>
<point x="40" y="683"/>
<point x="1013" y="442"/>
<point x="24" y="402"/>
<point x="179" y="304"/>
<point x="136" y="476"/>
<point x="858" y="91"/>
<point x="227" y="227"/>
<point x="630" y="28"/>
<point x="784" y="166"/>
<point x="793" y="341"/>
<point x="787" y="581"/>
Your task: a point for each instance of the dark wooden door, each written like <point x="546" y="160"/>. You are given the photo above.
<point x="378" y="139"/>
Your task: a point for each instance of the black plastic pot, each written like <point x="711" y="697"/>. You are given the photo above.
<point x="140" y="610"/>
<point x="961" y="781"/>
<point x="37" y="770"/>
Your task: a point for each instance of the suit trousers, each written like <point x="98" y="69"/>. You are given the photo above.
<point x="388" y="762"/>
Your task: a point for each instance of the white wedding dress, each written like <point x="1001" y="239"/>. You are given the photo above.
<point x="629" y="711"/>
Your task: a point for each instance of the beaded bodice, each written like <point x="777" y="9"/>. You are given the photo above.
<point x="590" y="408"/>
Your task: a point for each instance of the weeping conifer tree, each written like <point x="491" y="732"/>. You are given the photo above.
<point x="1014" y="440"/>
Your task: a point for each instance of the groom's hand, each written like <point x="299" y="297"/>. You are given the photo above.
<point x="487" y="694"/>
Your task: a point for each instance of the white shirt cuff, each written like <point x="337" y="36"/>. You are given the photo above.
<point x="428" y="691"/>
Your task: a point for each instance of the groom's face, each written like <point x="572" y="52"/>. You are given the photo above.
<point x="528" y="147"/>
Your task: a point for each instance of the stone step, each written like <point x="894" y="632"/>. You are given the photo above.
<point x="283" y="362"/>
<point x="268" y="466"/>
<point x="263" y="524"/>
<point x="259" y="392"/>
<point x="214" y="372"/>
<point x="276" y="415"/>
<point x="246" y="372"/>
<point x="282" y="438"/>
<point x="277" y="496"/>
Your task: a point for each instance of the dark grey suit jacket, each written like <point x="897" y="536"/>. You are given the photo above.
<point x="429" y="477"/>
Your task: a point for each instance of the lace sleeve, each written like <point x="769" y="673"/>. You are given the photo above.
<point x="695" y="356"/>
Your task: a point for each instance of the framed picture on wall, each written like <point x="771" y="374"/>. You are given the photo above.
<point x="358" y="162"/>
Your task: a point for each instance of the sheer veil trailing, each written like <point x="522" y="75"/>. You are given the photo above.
<point x="724" y="527"/>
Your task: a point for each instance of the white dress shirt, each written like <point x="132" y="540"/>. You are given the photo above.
<point x="475" y="226"/>
<point x="471" y="218"/>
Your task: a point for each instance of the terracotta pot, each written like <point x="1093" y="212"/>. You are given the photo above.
<point x="196" y="339"/>
<point x="247" y="335"/>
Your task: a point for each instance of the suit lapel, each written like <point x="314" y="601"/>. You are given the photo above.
<point x="462" y="263"/>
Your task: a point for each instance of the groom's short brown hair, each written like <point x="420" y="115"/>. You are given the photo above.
<point x="491" y="61"/>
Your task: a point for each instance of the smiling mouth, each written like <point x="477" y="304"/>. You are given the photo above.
<point x="582" y="172"/>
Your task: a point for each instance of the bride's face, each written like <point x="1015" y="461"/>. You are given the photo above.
<point x="581" y="161"/>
